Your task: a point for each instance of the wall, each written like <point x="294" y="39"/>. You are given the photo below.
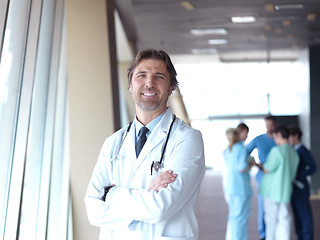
<point x="90" y="101"/>
<point x="304" y="87"/>
<point x="309" y="118"/>
<point x="314" y="61"/>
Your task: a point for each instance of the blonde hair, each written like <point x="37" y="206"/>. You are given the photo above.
<point x="232" y="136"/>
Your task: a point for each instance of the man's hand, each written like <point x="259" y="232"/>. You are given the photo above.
<point x="162" y="180"/>
<point x="260" y="166"/>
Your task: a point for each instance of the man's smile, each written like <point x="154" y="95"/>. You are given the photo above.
<point x="149" y="94"/>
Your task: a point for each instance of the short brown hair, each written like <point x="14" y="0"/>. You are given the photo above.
<point x="295" y="130"/>
<point x="283" y="130"/>
<point x="270" y="117"/>
<point x="154" y="54"/>
<point x="242" y="126"/>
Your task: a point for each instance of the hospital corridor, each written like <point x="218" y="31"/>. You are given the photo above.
<point x="212" y="210"/>
<point x="74" y="75"/>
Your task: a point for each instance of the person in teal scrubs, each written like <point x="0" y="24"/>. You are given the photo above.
<point x="276" y="185"/>
<point x="263" y="143"/>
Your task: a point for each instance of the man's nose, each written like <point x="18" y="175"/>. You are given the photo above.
<point x="150" y="81"/>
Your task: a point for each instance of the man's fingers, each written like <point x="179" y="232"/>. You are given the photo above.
<point x="162" y="180"/>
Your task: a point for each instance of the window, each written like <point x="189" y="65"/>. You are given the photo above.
<point x="219" y="95"/>
<point x="240" y="88"/>
<point x="34" y="173"/>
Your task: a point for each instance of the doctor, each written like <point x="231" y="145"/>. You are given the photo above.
<point x="151" y="194"/>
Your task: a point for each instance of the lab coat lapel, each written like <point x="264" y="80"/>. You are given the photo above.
<point x="129" y="154"/>
<point x="132" y="144"/>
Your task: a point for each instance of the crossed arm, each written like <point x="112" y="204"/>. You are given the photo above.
<point x="123" y="205"/>
<point x="161" y="181"/>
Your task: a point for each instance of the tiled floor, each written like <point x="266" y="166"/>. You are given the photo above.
<point x="212" y="211"/>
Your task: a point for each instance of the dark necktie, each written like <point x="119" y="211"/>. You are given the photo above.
<point x="142" y="138"/>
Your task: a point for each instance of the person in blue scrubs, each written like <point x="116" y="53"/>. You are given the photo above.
<point x="300" y="203"/>
<point x="263" y="143"/>
<point x="237" y="187"/>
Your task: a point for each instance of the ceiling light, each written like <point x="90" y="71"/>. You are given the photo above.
<point x="288" y="6"/>
<point x="204" y="51"/>
<point x="311" y="17"/>
<point x="286" y="23"/>
<point x="268" y="27"/>
<point x="244" y="19"/>
<point x="218" y="41"/>
<point x="278" y="30"/>
<point x="209" y="31"/>
<point x="269" y="7"/>
<point x="187" y="5"/>
<point x="290" y="36"/>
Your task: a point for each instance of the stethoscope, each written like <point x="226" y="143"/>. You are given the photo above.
<point x="156" y="165"/>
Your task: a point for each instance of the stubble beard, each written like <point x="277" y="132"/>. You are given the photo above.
<point x="151" y="106"/>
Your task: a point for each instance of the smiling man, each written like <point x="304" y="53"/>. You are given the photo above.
<point x="148" y="174"/>
<point x="150" y="87"/>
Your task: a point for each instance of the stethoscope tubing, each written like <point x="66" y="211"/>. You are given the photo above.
<point x="165" y="145"/>
<point x="158" y="163"/>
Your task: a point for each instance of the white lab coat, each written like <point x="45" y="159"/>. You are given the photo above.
<point x="131" y="211"/>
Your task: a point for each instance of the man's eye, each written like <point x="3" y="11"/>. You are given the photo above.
<point x="141" y="75"/>
<point x="161" y="77"/>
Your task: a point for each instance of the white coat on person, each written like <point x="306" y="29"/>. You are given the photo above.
<point x="131" y="211"/>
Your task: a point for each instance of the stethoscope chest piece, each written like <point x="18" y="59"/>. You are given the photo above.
<point x="157" y="166"/>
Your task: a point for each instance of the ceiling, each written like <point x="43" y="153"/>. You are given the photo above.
<point x="280" y="30"/>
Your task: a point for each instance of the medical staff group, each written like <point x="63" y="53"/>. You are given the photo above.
<point x="284" y="166"/>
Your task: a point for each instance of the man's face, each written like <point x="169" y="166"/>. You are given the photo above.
<point x="243" y="135"/>
<point x="150" y="86"/>
<point x="277" y="138"/>
<point x="269" y="126"/>
<point x="293" y="139"/>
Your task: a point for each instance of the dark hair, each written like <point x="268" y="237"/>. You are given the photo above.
<point x="242" y="126"/>
<point x="283" y="130"/>
<point x="295" y="130"/>
<point x="270" y="117"/>
<point x="158" y="55"/>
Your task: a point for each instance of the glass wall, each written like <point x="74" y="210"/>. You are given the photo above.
<point x="240" y="88"/>
<point x="230" y="93"/>
<point x="215" y="141"/>
<point x="34" y="173"/>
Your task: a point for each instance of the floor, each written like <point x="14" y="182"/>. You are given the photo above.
<point x="212" y="211"/>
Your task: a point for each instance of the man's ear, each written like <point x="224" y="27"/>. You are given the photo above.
<point x="171" y="91"/>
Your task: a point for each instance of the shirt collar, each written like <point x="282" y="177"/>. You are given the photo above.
<point x="297" y="146"/>
<point x="151" y="125"/>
